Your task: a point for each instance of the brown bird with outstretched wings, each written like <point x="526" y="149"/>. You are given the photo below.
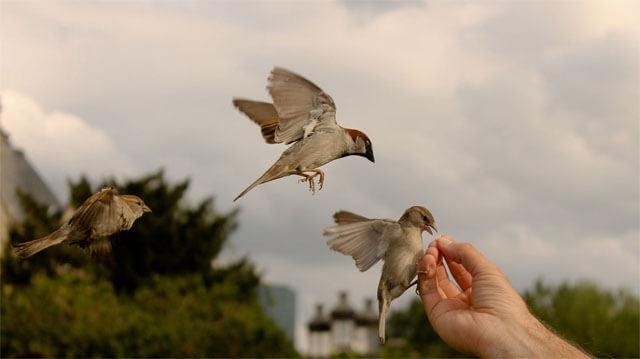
<point x="302" y="115"/>
<point x="100" y="216"/>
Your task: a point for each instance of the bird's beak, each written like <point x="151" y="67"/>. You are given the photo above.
<point x="428" y="228"/>
<point x="146" y="209"/>
<point x="369" y="155"/>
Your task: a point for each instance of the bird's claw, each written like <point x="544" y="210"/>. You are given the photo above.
<point x="320" y="176"/>
<point x="311" y="180"/>
<point x="321" y="179"/>
<point x="312" y="184"/>
<point x="415" y="282"/>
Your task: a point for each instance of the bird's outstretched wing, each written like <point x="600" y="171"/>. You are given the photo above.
<point x="302" y="106"/>
<point x="102" y="214"/>
<point x="263" y="114"/>
<point x="364" y="239"/>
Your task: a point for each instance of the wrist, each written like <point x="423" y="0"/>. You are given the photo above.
<point x="528" y="337"/>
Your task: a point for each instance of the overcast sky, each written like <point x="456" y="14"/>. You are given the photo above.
<point x="516" y="123"/>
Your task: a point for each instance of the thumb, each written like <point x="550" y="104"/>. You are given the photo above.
<point x="466" y="254"/>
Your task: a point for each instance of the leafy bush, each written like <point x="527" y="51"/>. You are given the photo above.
<point x="73" y="315"/>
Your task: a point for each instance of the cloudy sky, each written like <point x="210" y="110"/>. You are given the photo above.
<point x="516" y="123"/>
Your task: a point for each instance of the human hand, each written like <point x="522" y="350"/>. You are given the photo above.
<point x="484" y="316"/>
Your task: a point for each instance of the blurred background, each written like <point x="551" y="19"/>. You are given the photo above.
<point x="516" y="124"/>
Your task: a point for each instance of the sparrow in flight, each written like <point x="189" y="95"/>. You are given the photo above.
<point x="305" y="116"/>
<point x="397" y="243"/>
<point x="103" y="214"/>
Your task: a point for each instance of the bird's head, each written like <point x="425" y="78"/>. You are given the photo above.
<point x="136" y="204"/>
<point x="361" y="144"/>
<point x="420" y="217"/>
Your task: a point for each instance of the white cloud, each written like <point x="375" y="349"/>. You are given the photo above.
<point x="62" y="146"/>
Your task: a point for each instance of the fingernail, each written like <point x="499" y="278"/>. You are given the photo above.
<point x="445" y="240"/>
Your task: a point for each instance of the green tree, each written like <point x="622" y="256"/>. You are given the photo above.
<point x="604" y="323"/>
<point x="75" y="315"/>
<point x="160" y="296"/>
<point x="67" y="315"/>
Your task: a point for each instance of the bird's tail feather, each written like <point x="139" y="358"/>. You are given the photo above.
<point x="274" y="172"/>
<point x="27" y="249"/>
<point x="384" y="306"/>
<point x="346" y="217"/>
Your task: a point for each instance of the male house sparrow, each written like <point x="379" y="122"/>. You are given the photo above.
<point x="103" y="214"/>
<point x="302" y="113"/>
<point x="399" y="244"/>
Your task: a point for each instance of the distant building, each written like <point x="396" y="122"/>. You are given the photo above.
<point x="365" y="338"/>
<point x="17" y="173"/>
<point x="279" y="303"/>
<point x="345" y="330"/>
<point x="342" y="324"/>
<point x="320" y="343"/>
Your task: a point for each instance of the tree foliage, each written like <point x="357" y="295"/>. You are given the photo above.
<point x="71" y="315"/>
<point x="604" y="323"/>
<point x="159" y="296"/>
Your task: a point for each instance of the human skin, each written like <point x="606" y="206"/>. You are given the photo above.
<point x="484" y="316"/>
